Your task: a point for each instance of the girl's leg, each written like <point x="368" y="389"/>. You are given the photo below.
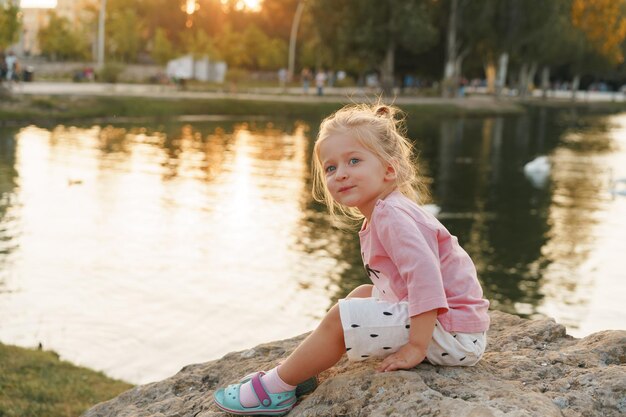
<point x="321" y="349"/>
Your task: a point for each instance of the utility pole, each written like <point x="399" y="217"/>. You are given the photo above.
<point x="103" y="7"/>
<point x="450" y="76"/>
<point x="292" y="39"/>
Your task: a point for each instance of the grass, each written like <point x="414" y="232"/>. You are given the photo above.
<point x="36" y="383"/>
<point x="51" y="110"/>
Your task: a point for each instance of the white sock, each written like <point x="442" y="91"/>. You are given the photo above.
<point x="272" y="383"/>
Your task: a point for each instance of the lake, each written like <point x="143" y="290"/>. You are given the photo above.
<point x="139" y="248"/>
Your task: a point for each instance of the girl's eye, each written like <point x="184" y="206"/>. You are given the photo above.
<point x="354" y="161"/>
<point x="329" y="169"/>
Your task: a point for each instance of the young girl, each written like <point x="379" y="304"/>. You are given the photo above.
<point x="425" y="302"/>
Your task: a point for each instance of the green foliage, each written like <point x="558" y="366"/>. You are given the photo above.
<point x="10" y="23"/>
<point x="36" y="383"/>
<point x="364" y="30"/>
<point x="123" y="29"/>
<point x="232" y="48"/>
<point x="393" y="36"/>
<point x="162" y="48"/>
<point x="236" y="75"/>
<point x="111" y="72"/>
<point x="198" y="43"/>
<point x="265" y="53"/>
<point x="251" y="49"/>
<point x="59" y="41"/>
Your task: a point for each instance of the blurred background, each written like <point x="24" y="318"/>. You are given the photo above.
<point x="139" y="246"/>
<point x="426" y="47"/>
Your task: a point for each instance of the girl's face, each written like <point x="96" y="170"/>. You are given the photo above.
<point x="355" y="176"/>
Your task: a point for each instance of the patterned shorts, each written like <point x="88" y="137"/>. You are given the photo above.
<point x="375" y="328"/>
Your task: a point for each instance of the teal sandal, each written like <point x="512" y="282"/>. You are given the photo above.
<point x="270" y="404"/>
<point x="303" y="388"/>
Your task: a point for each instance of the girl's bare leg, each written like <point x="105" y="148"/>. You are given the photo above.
<point x="321" y="349"/>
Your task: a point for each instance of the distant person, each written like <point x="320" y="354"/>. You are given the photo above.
<point x="3" y="67"/>
<point x="305" y="77"/>
<point x="330" y="78"/>
<point x="282" y="78"/>
<point x="320" y="80"/>
<point x="425" y="304"/>
<point x="12" y="66"/>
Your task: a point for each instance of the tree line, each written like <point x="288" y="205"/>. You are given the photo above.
<point x="449" y="40"/>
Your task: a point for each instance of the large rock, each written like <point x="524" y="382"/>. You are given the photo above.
<point x="531" y="368"/>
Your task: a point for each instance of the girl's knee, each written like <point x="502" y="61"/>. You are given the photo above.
<point x="332" y="320"/>
<point x="362" y="291"/>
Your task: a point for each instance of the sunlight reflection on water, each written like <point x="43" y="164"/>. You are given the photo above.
<point x="137" y="251"/>
<point x="128" y="259"/>
<point x="586" y="244"/>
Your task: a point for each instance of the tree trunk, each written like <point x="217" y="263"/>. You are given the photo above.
<point x="458" y="64"/>
<point x="530" y="81"/>
<point x="575" y="84"/>
<point x="490" y="75"/>
<point x="522" y="83"/>
<point x="450" y="75"/>
<point x="501" y="76"/>
<point x="292" y="40"/>
<point x="545" y="82"/>
<point x="387" y="69"/>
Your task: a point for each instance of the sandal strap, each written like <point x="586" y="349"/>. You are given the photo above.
<point x="259" y="390"/>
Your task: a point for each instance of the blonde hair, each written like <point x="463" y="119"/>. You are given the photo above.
<point x="381" y="130"/>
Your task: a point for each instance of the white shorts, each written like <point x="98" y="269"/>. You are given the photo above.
<point x="375" y="328"/>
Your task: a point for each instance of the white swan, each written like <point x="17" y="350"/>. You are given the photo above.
<point x="618" y="186"/>
<point x="433" y="209"/>
<point x="538" y="171"/>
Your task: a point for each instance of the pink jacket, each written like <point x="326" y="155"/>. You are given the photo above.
<point x="410" y="256"/>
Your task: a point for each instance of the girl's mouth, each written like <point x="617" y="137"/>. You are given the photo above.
<point x="342" y="189"/>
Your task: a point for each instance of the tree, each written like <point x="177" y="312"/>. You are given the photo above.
<point x="602" y="31"/>
<point x="231" y="46"/>
<point x="164" y="14"/>
<point x="470" y="29"/>
<point x="60" y="41"/>
<point x="505" y="33"/>
<point x="251" y="49"/>
<point x="533" y="30"/>
<point x="374" y="30"/>
<point x="162" y="49"/>
<point x="198" y="43"/>
<point x="604" y="24"/>
<point x="557" y="43"/>
<point x="123" y="31"/>
<point x="10" y="23"/>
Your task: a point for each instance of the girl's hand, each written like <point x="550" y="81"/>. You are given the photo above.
<point x="414" y="352"/>
<point x="407" y="357"/>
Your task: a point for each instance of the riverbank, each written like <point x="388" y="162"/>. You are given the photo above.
<point x="49" y="104"/>
<point x="36" y="383"/>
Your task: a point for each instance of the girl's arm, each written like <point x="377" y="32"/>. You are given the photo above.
<point x="414" y="352"/>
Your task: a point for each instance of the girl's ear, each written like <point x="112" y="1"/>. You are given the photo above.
<point x="390" y="173"/>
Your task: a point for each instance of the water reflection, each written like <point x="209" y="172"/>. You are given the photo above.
<point x="138" y="267"/>
<point x="138" y="250"/>
<point x="584" y="251"/>
<point x="8" y="218"/>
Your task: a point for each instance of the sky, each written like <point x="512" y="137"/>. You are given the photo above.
<point x="251" y="4"/>
<point x="38" y="3"/>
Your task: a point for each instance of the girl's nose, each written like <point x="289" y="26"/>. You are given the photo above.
<point x="342" y="174"/>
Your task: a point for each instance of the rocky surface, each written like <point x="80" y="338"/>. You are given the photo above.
<point x="531" y="368"/>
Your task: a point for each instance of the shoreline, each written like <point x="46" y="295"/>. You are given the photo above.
<point x="38" y="382"/>
<point x="48" y="104"/>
